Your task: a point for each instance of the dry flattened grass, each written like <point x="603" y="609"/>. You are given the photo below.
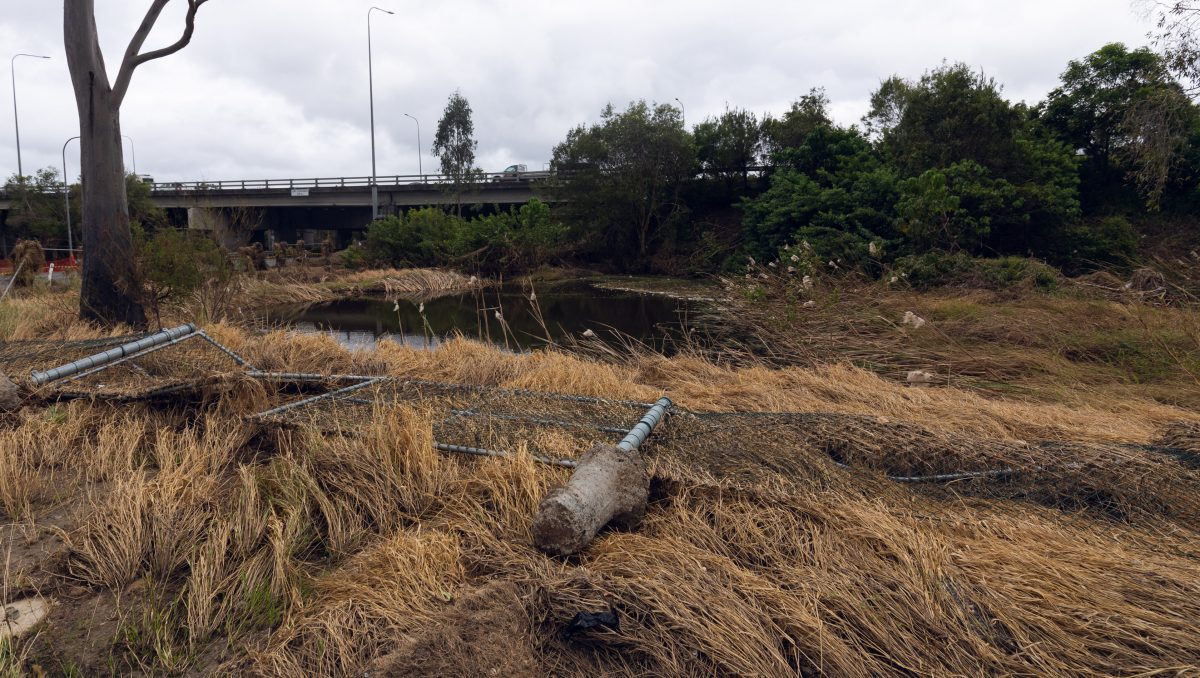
<point x="1182" y="435"/>
<point x="838" y="584"/>
<point x="1059" y="347"/>
<point x="314" y="554"/>
<point x="698" y="384"/>
<point x="308" y="285"/>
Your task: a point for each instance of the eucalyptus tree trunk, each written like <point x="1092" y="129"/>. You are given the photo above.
<point x="111" y="292"/>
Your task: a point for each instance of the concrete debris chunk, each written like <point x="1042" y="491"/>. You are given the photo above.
<point x="610" y="486"/>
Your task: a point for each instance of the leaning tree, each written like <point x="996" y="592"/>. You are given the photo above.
<point x="111" y="291"/>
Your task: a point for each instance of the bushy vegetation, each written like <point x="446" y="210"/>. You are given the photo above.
<point x="943" y="168"/>
<point x="941" y="164"/>
<point x="510" y="241"/>
<point x="175" y="264"/>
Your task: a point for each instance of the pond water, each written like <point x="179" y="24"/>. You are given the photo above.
<point x="560" y="310"/>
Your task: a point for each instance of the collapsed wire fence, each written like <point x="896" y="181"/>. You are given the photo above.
<point x="553" y="428"/>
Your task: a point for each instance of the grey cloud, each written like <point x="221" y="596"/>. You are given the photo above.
<point x="278" y="88"/>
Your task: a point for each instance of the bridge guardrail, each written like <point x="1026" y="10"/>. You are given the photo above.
<point x="486" y="178"/>
<point x="330" y="182"/>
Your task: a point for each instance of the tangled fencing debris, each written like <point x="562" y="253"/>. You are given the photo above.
<point x="496" y="422"/>
<point x="1155" y="482"/>
<point x="124" y="368"/>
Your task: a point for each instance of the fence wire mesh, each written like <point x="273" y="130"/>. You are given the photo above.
<point x="1160" y="481"/>
<point x="1123" y="481"/>
<point x="190" y="362"/>
<point x="546" y="425"/>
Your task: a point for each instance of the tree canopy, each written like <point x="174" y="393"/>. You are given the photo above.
<point x="626" y="174"/>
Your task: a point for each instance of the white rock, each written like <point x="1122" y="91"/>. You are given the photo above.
<point x="920" y="378"/>
<point x="23" y="615"/>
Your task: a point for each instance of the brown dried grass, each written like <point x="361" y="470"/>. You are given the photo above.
<point x="309" y="554"/>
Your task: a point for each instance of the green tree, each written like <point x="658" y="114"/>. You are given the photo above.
<point x="807" y="113"/>
<point x="37" y="210"/>
<point x="175" y="263"/>
<point x="832" y="192"/>
<point x="952" y="208"/>
<point x="142" y="210"/>
<point x="513" y="241"/>
<point x="730" y="145"/>
<point x="1127" y="115"/>
<point x="626" y="174"/>
<point x="455" y="144"/>
<point x="110" y="286"/>
<point x="951" y="114"/>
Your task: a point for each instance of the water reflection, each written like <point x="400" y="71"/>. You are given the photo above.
<point x="505" y="316"/>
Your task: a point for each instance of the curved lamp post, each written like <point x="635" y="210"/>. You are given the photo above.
<point x="132" y="149"/>
<point x="371" y="85"/>
<point x="420" y="166"/>
<point x="12" y="66"/>
<point x="67" y="198"/>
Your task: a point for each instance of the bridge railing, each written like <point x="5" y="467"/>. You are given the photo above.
<point x="392" y="181"/>
<point x="414" y="180"/>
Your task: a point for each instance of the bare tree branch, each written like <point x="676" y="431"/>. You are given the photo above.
<point x="133" y="55"/>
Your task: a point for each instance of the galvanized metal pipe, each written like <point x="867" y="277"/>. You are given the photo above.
<point x="131" y="356"/>
<point x="484" y="452"/>
<point x="308" y="376"/>
<point x="225" y="349"/>
<point x="112" y="355"/>
<point x="314" y="377"/>
<point x="503" y="417"/>
<point x="318" y="398"/>
<point x="634" y="439"/>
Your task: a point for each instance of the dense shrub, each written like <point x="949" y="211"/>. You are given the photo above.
<point x="939" y="268"/>
<point x="504" y="242"/>
<point x="1096" y="243"/>
<point x="175" y="263"/>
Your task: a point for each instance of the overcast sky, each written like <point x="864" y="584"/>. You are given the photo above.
<point x="278" y="88"/>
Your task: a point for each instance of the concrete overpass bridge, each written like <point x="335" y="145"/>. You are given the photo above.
<point x="291" y="209"/>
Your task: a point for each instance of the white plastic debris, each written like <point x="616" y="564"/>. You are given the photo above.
<point x="913" y="319"/>
<point x="589" y="334"/>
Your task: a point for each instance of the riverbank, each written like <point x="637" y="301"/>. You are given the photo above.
<point x="183" y="537"/>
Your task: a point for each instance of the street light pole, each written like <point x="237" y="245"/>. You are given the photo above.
<point x="371" y="85"/>
<point x="67" y="198"/>
<point x="682" y="112"/>
<point x="133" y="149"/>
<point x="420" y="165"/>
<point x="12" y="67"/>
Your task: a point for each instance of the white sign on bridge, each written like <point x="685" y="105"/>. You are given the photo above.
<point x="299" y="192"/>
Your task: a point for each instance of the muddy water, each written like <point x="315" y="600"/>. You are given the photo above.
<point x="509" y="316"/>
